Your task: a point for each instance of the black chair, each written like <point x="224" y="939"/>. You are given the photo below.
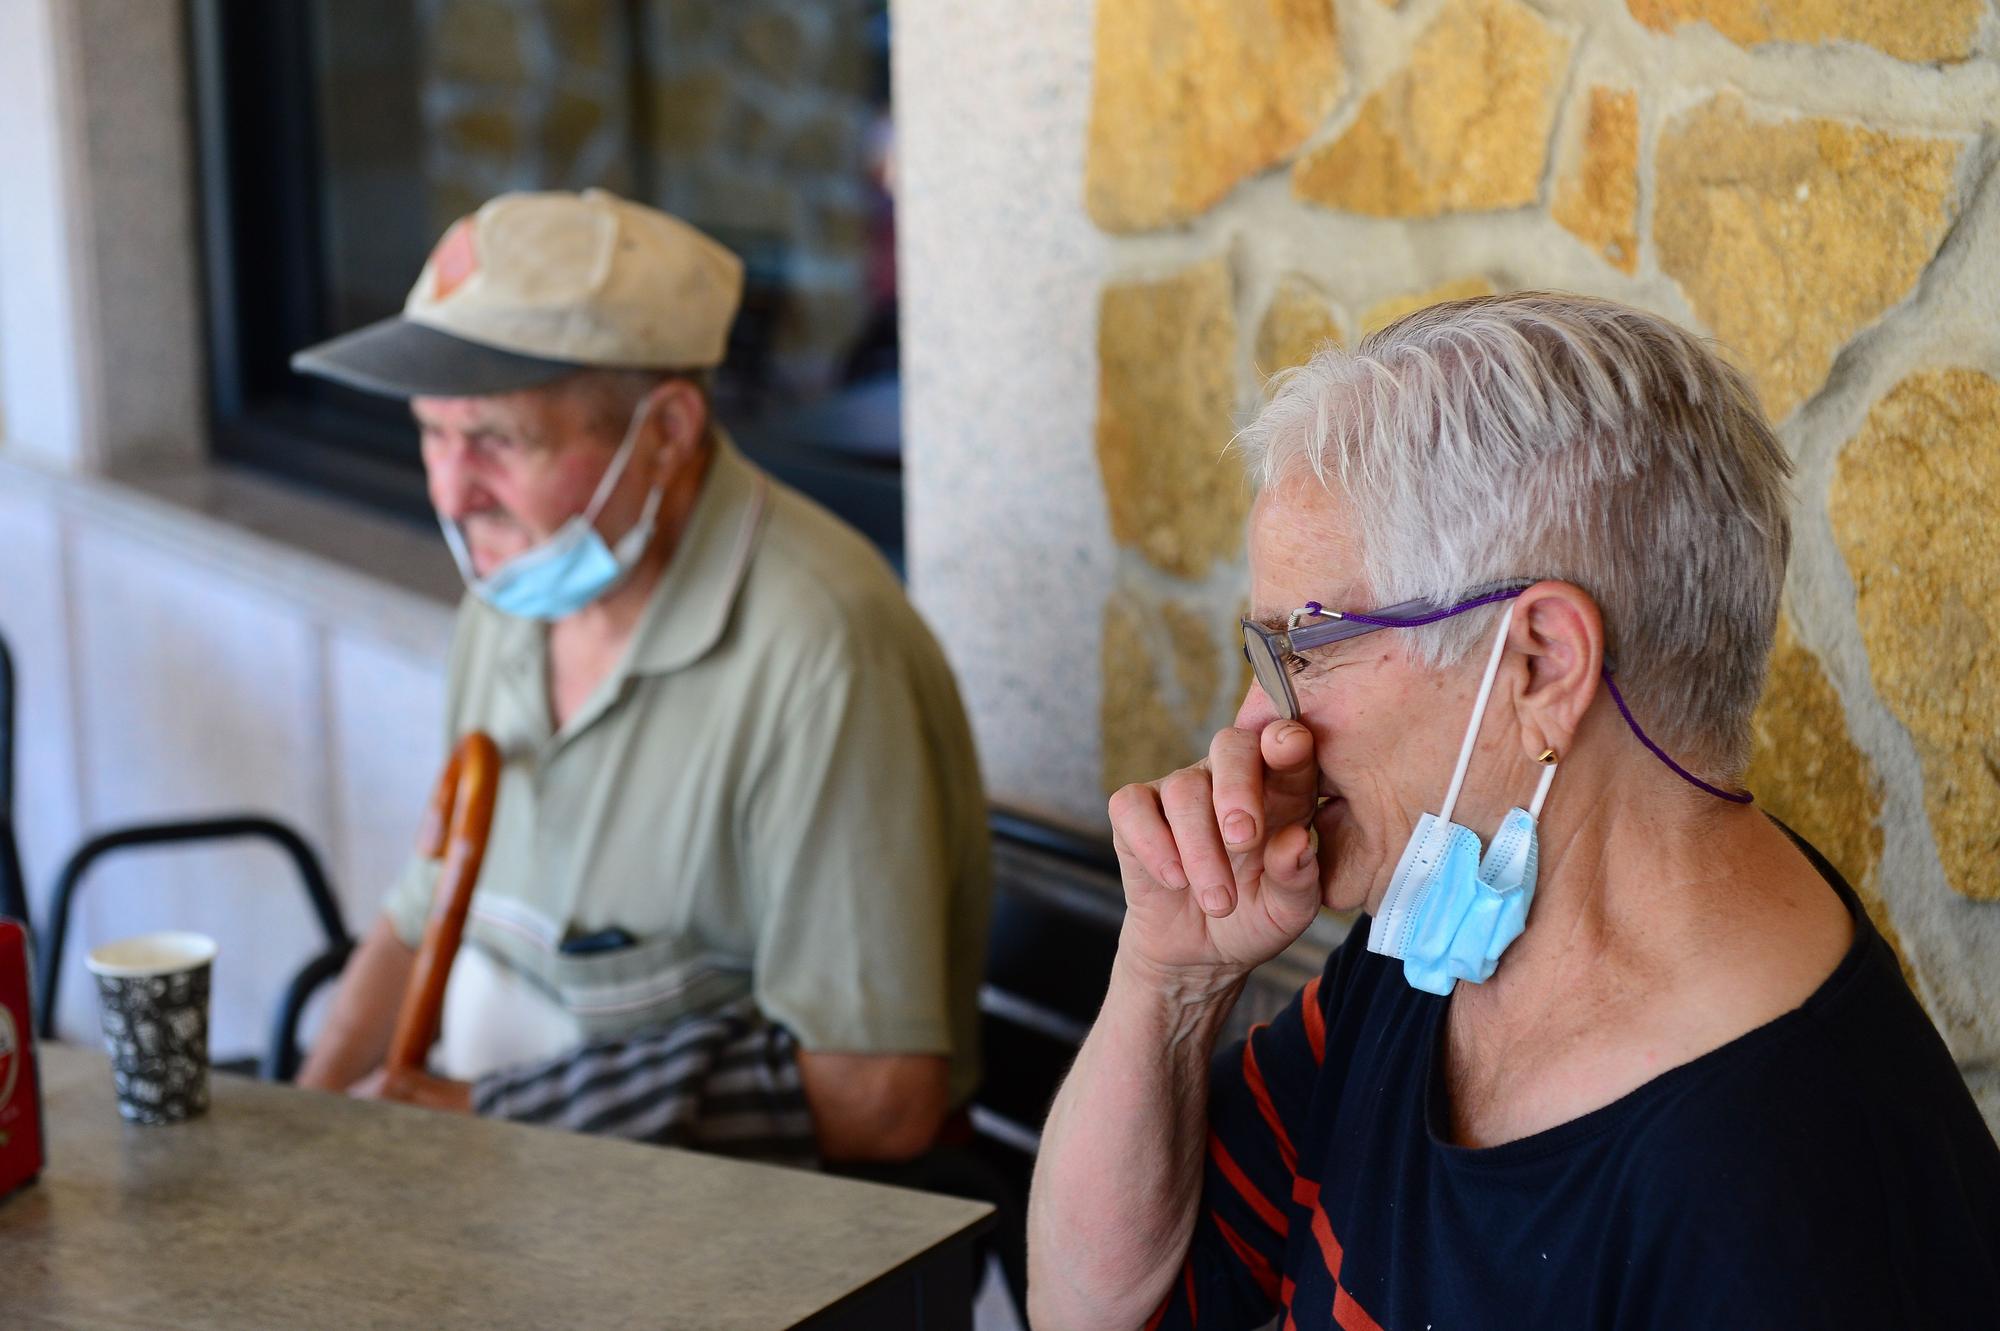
<point x="1057" y="907"/>
<point x="281" y="1057"/>
<point x="13" y="883"/>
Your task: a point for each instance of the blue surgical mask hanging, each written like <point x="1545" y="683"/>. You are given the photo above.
<point x="1451" y="911"/>
<point x="572" y="568"/>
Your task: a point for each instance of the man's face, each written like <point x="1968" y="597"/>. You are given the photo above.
<point x="510" y="470"/>
<point x="1386" y="732"/>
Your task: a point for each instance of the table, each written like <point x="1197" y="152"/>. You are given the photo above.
<point x="289" y="1208"/>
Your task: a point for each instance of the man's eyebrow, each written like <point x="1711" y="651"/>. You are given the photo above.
<point x="490" y="427"/>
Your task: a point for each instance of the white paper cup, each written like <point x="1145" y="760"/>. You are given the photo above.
<point x="153" y="999"/>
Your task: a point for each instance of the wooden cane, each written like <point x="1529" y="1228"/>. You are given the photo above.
<point x="455" y="827"/>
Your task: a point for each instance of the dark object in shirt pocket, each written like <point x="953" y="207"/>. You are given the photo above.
<point x="604" y="940"/>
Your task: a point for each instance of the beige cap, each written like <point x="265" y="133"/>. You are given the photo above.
<point x="539" y="285"/>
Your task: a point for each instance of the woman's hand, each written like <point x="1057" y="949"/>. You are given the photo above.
<point x="1218" y="860"/>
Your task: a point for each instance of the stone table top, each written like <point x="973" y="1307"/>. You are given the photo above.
<point x="285" y="1207"/>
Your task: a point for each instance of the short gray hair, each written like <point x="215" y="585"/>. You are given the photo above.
<point x="612" y="395"/>
<point x="1547" y="435"/>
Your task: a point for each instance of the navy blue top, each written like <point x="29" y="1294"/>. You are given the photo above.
<point x="1828" y="1169"/>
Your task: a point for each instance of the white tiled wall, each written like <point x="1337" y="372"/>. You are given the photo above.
<point x="387" y="742"/>
<point x="157" y="684"/>
<point x="195" y="698"/>
<point x="32" y="616"/>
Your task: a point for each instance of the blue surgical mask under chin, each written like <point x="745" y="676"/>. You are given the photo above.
<point x="1450" y="912"/>
<point x="572" y="568"/>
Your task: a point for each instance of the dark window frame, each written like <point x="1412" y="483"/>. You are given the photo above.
<point x="259" y="168"/>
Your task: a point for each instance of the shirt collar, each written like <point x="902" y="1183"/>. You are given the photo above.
<point x="690" y="608"/>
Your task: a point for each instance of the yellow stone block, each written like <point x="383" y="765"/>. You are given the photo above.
<point x="582" y="31"/>
<point x="1598" y="197"/>
<point x="1465" y="127"/>
<point x="1939" y="30"/>
<point x="489" y="133"/>
<point x="1143" y="737"/>
<point x="1197" y="662"/>
<point x="688" y="112"/>
<point x="1380" y="316"/>
<point x="571" y="123"/>
<point x="1165" y="396"/>
<point x="1191" y="97"/>
<point x="1806" y="770"/>
<point x="1913" y="504"/>
<point x="1297" y="322"/>
<point x="1790" y="237"/>
<point x="478" y="41"/>
<point x="449" y="200"/>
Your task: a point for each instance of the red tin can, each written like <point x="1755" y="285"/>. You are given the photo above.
<point x="21" y="1154"/>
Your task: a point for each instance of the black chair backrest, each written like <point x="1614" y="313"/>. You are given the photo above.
<point x="1057" y="906"/>
<point x="13" y="883"/>
<point x="312" y="877"/>
<point x="6" y="729"/>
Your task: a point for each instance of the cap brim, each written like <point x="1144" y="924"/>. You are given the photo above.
<point x="397" y="358"/>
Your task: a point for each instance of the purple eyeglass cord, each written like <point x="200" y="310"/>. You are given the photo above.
<point x="1742" y="797"/>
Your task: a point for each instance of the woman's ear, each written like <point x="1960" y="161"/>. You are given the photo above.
<point x="1558" y="627"/>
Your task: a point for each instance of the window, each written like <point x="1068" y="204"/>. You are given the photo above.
<point x="339" y="138"/>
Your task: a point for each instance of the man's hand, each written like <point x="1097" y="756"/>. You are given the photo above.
<point x="414" y="1088"/>
<point x="1219" y="866"/>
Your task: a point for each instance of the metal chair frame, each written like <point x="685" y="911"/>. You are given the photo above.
<point x="13" y="883"/>
<point x="280" y="1060"/>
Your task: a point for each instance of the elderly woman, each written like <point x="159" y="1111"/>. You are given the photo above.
<point x="1609" y="1047"/>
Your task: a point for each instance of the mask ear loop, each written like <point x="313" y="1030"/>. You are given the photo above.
<point x="616" y="471"/>
<point x="642" y="528"/>
<point x="1478" y="715"/>
<point x="1548" y="761"/>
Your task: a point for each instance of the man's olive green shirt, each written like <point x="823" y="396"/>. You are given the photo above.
<point x="775" y="795"/>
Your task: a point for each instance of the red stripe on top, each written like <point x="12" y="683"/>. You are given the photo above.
<point x="1349" y="1315"/>
<point x="1259" y="1092"/>
<point x="1258" y="1202"/>
<point x="1187" y="1281"/>
<point x="1306" y="1193"/>
<point x="1315" y="1019"/>
<point x="1260" y="1269"/>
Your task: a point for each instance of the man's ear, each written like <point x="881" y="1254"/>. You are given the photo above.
<point x="1559" y="629"/>
<point x="677" y="413"/>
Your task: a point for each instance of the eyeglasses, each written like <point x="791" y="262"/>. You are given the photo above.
<point x="1270" y="650"/>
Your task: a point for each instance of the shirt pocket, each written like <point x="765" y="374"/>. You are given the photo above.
<point x="651" y="983"/>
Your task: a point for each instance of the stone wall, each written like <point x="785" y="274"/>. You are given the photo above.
<point x="753" y="122"/>
<point x="1813" y="185"/>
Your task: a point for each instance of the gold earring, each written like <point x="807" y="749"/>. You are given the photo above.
<point x="1547" y="758"/>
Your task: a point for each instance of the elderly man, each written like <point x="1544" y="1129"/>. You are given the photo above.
<point x="1689" y="1087"/>
<point x="736" y="889"/>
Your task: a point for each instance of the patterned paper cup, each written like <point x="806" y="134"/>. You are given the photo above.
<point x="153" y="996"/>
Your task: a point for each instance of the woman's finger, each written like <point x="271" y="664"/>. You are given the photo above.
<point x="1291" y="776"/>
<point x="1144" y="842"/>
<point x="1186" y="798"/>
<point x="1236" y="780"/>
<point x="1291" y="877"/>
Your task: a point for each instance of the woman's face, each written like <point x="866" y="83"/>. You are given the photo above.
<point x="1387" y="731"/>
